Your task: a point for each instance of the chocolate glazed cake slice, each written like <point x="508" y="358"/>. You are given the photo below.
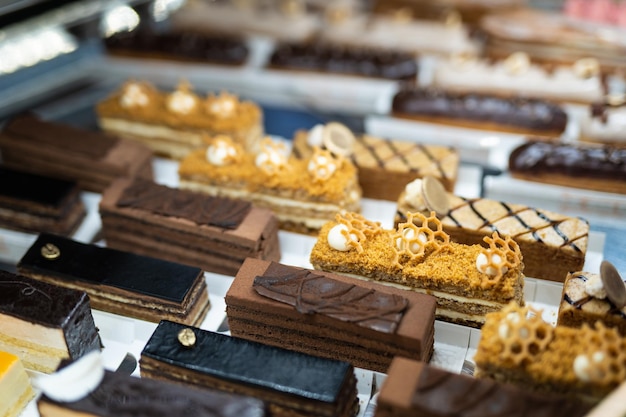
<point x="120" y="282"/>
<point x="44" y="324"/>
<point x="290" y="383"/>
<point x="552" y="244"/>
<point x="213" y="233"/>
<point x="329" y="315"/>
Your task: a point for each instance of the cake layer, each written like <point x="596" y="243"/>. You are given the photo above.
<point x="414" y="388"/>
<point x="35" y="203"/>
<point x="518" y="346"/>
<point x="481" y="111"/>
<point x="56" y="150"/>
<point x="468" y="281"/>
<point x="290" y="383"/>
<point x="15" y="388"/>
<point x="552" y="244"/>
<point x="179" y="45"/>
<point x="330" y="58"/>
<point x="585" y="300"/>
<point x="119" y="395"/>
<point x="213" y="233"/>
<point x="44" y="324"/>
<point x="592" y="167"/>
<point x="120" y="282"/>
<point x="329" y="315"/>
<point x="384" y="165"/>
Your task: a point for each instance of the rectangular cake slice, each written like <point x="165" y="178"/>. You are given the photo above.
<point x="552" y="244"/>
<point x="15" y="388"/>
<point x="468" y="281"/>
<point x="120" y="282"/>
<point x="120" y="395"/>
<point x="416" y="389"/>
<point x="385" y="165"/>
<point x="44" y="324"/>
<point x="93" y="159"/>
<point x="34" y="203"/>
<point x="329" y="315"/>
<point x="213" y="233"/>
<point x="291" y="383"/>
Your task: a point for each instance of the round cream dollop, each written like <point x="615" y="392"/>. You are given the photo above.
<point x="584" y="366"/>
<point x="337" y="240"/>
<point x="315" y="136"/>
<point x="270" y="158"/>
<point x="181" y="102"/>
<point x="594" y="287"/>
<point x="320" y="166"/>
<point x="73" y="382"/>
<point x="415" y="246"/>
<point x="482" y="264"/>
<point x="413" y="194"/>
<point x="134" y="97"/>
<point x="219" y="154"/>
<point x="223" y="106"/>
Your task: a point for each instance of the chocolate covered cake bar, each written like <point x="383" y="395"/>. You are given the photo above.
<point x="291" y="383"/>
<point x="329" y="315"/>
<point x="34" y="203"/>
<point x="468" y="281"/>
<point x="15" y="388"/>
<point x="587" y="166"/>
<point x="212" y="233"/>
<point x="518" y="346"/>
<point x="385" y="165"/>
<point x="415" y="389"/>
<point x="44" y="324"/>
<point x="92" y="159"/>
<point x="552" y="244"/>
<point x="481" y="111"/>
<point x="589" y="297"/>
<point x="120" y="282"/>
<point x="119" y="395"/>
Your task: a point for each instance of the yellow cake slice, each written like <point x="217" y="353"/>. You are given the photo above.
<point x="15" y="388"/>
<point x="468" y="281"/>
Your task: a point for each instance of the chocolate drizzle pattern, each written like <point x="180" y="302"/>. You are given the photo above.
<point x="580" y="302"/>
<point x="311" y="293"/>
<point x="199" y="208"/>
<point x="460" y="395"/>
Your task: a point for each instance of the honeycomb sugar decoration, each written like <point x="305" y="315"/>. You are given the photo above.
<point x="182" y="100"/>
<point x="222" y="150"/>
<point x="223" y="105"/>
<point x="412" y="241"/>
<point x="524" y="334"/>
<point x="136" y="94"/>
<point x="605" y="360"/>
<point x="272" y="157"/>
<point x="323" y="164"/>
<point x="351" y="231"/>
<point x="495" y="261"/>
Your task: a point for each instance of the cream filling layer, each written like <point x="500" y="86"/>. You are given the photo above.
<point x="32" y="333"/>
<point x="141" y="129"/>
<point x="15" y="390"/>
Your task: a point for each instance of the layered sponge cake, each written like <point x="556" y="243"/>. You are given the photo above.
<point x="468" y="281"/>
<point x="329" y="315"/>
<point x="44" y="324"/>
<point x="15" y="388"/>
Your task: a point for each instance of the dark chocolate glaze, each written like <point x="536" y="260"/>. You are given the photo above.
<point x="29" y="127"/>
<point x="51" y="306"/>
<point x="443" y="393"/>
<point x="311" y="293"/>
<point x="575" y="160"/>
<point x="45" y="191"/>
<point x="120" y="395"/>
<point x="250" y="363"/>
<point x="345" y="60"/>
<point x="579" y="303"/>
<point x="109" y="267"/>
<point x="518" y="112"/>
<point x="218" y="49"/>
<point x="199" y="208"/>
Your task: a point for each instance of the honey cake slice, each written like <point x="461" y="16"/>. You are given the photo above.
<point x="468" y="281"/>
<point x="213" y="233"/>
<point x="34" y="203"/>
<point x="302" y="193"/>
<point x="552" y="244"/>
<point x="92" y="159"/>
<point x="415" y="389"/>
<point x="120" y="282"/>
<point x="44" y="324"/>
<point x="290" y="383"/>
<point x="329" y="315"/>
<point x="384" y="165"/>
<point x="518" y="346"/>
<point x="15" y="388"/>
